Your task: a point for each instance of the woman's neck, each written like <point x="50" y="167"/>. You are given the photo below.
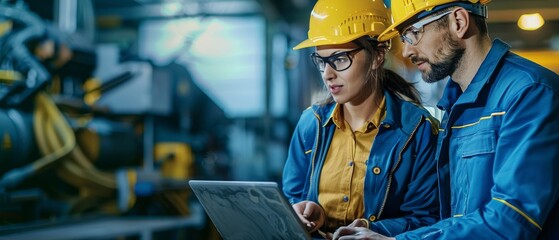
<point x="357" y="114"/>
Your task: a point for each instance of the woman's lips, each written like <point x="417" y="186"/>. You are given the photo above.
<point x="335" y="89"/>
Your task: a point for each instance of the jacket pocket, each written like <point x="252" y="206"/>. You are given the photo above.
<point x="478" y="144"/>
<point x="472" y="173"/>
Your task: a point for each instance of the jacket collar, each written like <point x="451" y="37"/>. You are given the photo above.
<point x="453" y="94"/>
<point x="397" y="111"/>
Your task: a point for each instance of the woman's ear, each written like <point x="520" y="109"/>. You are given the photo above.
<point x="460" y="22"/>
<point x="378" y="59"/>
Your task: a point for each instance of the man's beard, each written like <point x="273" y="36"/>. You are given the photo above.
<point x="451" y="56"/>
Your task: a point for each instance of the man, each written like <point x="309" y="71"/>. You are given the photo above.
<point x="498" y="147"/>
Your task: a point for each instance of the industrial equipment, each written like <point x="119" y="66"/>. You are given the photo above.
<point x="73" y="145"/>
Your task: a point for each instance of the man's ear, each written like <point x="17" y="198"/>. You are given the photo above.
<point x="460" y="22"/>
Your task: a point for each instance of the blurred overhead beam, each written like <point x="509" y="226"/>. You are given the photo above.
<point x="182" y="9"/>
<point x="522" y="4"/>
<point x="290" y="10"/>
<point x="510" y="10"/>
<point x="512" y="15"/>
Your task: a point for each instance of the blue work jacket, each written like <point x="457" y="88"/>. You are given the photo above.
<point x="498" y="153"/>
<point x="403" y="196"/>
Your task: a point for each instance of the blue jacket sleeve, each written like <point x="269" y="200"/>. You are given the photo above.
<point x="526" y="184"/>
<point x="420" y="201"/>
<point x="298" y="164"/>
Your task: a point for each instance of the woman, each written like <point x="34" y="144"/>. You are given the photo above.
<point x="365" y="155"/>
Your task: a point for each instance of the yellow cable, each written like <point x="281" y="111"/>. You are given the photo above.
<point x="57" y="132"/>
<point x="56" y="140"/>
<point x="179" y="201"/>
<point x="104" y="179"/>
<point x="67" y="136"/>
<point x="40" y="131"/>
<point x="76" y="176"/>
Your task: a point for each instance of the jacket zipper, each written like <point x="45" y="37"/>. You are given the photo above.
<point x="396" y="166"/>
<point x="315" y="145"/>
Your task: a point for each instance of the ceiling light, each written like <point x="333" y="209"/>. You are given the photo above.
<point x="530" y="22"/>
<point x="171" y="9"/>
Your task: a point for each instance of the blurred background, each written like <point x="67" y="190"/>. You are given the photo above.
<point x="109" y="107"/>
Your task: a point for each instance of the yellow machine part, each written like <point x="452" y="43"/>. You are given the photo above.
<point x="8" y="76"/>
<point x="546" y="58"/>
<point x="5" y="27"/>
<point x="132" y="176"/>
<point x="6" y="141"/>
<point x="90" y="144"/>
<point x="89" y="87"/>
<point x="177" y="159"/>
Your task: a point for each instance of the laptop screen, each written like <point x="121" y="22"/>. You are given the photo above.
<point x="248" y="210"/>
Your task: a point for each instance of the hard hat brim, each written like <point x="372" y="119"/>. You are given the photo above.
<point x="321" y="41"/>
<point x="391" y="31"/>
<point x="388" y="34"/>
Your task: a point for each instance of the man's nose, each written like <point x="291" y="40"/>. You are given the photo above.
<point x="407" y="50"/>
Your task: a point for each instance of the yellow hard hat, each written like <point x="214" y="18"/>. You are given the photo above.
<point x="404" y="10"/>
<point x="342" y="21"/>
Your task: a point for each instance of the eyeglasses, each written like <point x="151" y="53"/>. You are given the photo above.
<point x="339" y="61"/>
<point x="413" y="34"/>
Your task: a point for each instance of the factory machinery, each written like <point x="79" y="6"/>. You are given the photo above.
<point x="75" y="148"/>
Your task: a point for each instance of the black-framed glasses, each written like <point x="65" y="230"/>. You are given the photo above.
<point x="339" y="61"/>
<point x="413" y="33"/>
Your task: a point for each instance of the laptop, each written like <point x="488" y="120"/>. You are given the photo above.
<point x="249" y="210"/>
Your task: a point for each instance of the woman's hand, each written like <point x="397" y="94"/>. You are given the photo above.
<point x="311" y="214"/>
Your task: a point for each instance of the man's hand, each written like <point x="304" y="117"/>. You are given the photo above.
<point x="361" y="222"/>
<point x="311" y="214"/>
<point x="361" y="233"/>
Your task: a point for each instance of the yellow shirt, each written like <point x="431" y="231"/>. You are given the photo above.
<point x="343" y="174"/>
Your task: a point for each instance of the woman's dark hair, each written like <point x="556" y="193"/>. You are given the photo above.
<point x="381" y="78"/>
<point x="394" y="83"/>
